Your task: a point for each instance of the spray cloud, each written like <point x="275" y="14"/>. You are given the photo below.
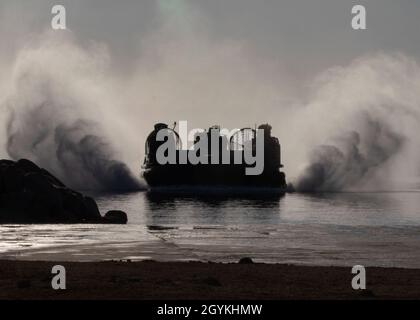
<point x="364" y="120"/>
<point x="57" y="113"/>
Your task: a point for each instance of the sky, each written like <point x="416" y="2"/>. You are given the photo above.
<point x="130" y="63"/>
<point x="306" y="35"/>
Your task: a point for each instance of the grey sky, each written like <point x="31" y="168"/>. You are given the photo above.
<point x="308" y="35"/>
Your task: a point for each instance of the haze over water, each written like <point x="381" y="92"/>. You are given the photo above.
<point x="380" y="229"/>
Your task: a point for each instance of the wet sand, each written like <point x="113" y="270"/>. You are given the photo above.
<point x="195" y="280"/>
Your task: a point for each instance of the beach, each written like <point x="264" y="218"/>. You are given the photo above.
<point x="302" y="246"/>
<point x="150" y="280"/>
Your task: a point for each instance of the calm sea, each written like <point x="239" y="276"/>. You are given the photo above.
<point x="381" y="229"/>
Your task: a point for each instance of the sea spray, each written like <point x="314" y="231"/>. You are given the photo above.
<point x="342" y="165"/>
<point x="364" y="123"/>
<point x="56" y="117"/>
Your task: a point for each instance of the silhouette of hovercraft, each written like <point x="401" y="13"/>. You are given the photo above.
<point x="225" y="175"/>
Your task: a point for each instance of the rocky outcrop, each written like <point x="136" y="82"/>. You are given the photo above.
<point x="116" y="217"/>
<point x="246" y="260"/>
<point x="29" y="194"/>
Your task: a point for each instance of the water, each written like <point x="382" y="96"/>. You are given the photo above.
<point x="380" y="229"/>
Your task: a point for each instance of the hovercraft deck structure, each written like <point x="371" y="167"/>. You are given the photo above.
<point x="202" y="178"/>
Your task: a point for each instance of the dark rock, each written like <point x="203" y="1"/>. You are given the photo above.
<point x="12" y="178"/>
<point x="42" y="198"/>
<point x="52" y="179"/>
<point x="29" y="194"/>
<point x="91" y="208"/>
<point x="27" y="166"/>
<point x="246" y="260"/>
<point x="115" y="217"/>
<point x="6" y="162"/>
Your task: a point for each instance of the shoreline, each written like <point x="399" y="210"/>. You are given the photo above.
<point x="151" y="280"/>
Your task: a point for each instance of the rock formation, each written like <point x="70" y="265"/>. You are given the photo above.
<point x="29" y="194"/>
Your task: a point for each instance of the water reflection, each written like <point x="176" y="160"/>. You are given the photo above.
<point x="325" y="228"/>
<point x="331" y="208"/>
<point x="159" y="200"/>
<point x="210" y="209"/>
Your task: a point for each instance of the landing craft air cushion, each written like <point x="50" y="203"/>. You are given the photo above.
<point x="226" y="174"/>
